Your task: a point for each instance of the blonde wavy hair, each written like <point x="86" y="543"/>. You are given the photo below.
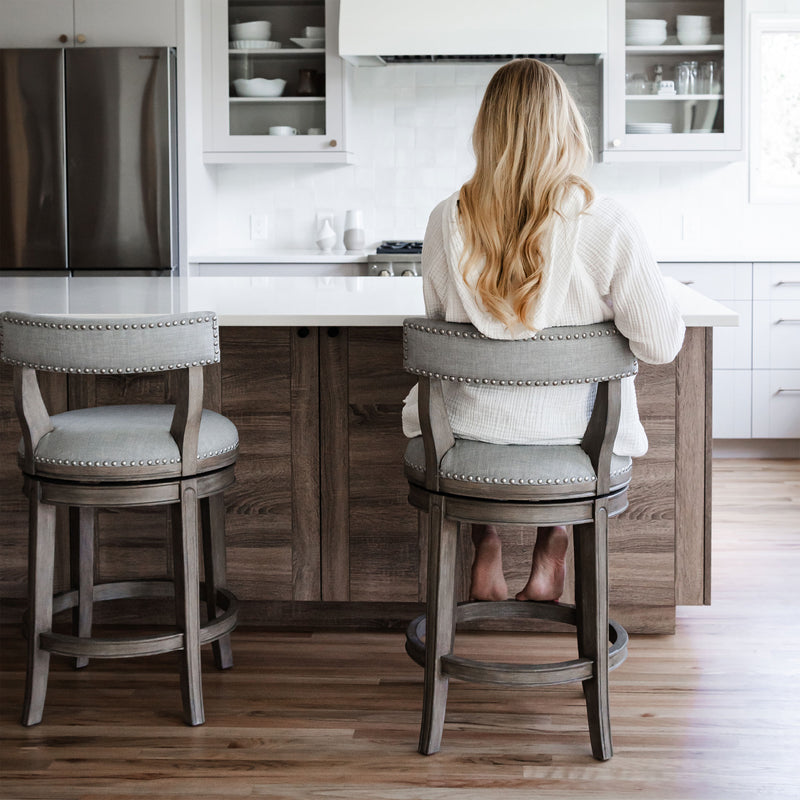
<point x="531" y="146"/>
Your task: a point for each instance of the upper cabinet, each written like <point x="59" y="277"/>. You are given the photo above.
<point x="275" y="88"/>
<point x="88" y="23"/>
<point x="673" y="84"/>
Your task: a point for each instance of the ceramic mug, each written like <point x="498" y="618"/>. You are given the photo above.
<point x="282" y="130"/>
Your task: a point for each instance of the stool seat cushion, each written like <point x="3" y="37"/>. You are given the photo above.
<point x="469" y="466"/>
<point x="125" y="441"/>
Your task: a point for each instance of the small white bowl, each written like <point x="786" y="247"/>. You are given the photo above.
<point x="260" y="29"/>
<point x="694" y="38"/>
<point x="314" y="32"/>
<point x="259" y="87"/>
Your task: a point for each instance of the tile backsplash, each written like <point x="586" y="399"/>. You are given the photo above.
<point x="410" y="126"/>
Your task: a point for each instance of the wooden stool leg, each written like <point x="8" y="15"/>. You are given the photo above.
<point x="187" y="600"/>
<point x="41" y="557"/>
<point x="440" y="623"/>
<point x="212" y="515"/>
<point x="81" y="558"/>
<point x="591" y="600"/>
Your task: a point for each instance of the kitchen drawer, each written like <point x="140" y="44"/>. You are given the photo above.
<point x="731" y="402"/>
<point x="719" y="281"/>
<point x="733" y="346"/>
<point x="776" y="281"/>
<point x="776" y="404"/>
<point x="776" y="334"/>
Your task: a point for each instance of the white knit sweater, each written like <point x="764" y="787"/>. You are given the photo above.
<point x="599" y="268"/>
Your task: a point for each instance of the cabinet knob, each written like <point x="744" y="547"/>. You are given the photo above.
<point x="81" y="39"/>
<point x="333" y="142"/>
<point x="616" y="142"/>
<point x="63" y="38"/>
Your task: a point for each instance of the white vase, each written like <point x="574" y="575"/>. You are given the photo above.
<point x="326" y="237"/>
<point x="354" y="239"/>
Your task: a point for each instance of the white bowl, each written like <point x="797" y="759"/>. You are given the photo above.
<point x="694" y="37"/>
<point x="646" y="39"/>
<point x="259" y="87"/>
<point x="692" y="19"/>
<point x="308" y="43"/>
<point x="259" y="29"/>
<point x="645" y="24"/>
<point x="314" y="32"/>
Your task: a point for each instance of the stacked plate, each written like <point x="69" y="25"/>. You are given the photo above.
<point x="693" y="30"/>
<point x="255" y="44"/>
<point x="645" y="32"/>
<point x="648" y="127"/>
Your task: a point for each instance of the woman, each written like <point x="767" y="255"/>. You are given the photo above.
<point x="526" y="245"/>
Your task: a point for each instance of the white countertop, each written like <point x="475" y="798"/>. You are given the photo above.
<point x="273" y="300"/>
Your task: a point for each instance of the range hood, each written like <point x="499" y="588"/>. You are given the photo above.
<point x="373" y="32"/>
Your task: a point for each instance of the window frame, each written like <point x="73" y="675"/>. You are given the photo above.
<point x="760" y="191"/>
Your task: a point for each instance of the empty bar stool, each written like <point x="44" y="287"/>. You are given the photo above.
<point x="462" y="481"/>
<point x="129" y="455"/>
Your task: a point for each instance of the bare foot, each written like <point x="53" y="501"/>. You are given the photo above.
<point x="488" y="581"/>
<point x="548" y="567"/>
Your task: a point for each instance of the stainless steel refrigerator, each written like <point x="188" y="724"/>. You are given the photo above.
<point x="88" y="161"/>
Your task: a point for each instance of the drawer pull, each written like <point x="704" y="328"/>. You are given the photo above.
<point x="787" y="391"/>
<point x="787" y="322"/>
<point x="687" y="283"/>
<point x="788" y="283"/>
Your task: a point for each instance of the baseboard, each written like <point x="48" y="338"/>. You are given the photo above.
<point x="756" y="448"/>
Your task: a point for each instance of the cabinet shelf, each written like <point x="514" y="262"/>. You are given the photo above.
<point x="279" y="52"/>
<point x="672" y="97"/>
<point x="277" y="99"/>
<point x="666" y="49"/>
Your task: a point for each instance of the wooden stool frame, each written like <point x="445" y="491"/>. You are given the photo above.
<point x="439" y="351"/>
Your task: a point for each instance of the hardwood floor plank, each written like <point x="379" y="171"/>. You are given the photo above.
<point x="709" y="713"/>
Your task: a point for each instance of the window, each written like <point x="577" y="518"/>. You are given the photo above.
<point x="774" y="108"/>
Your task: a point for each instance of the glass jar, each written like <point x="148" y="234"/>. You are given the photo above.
<point x="686" y="77"/>
<point x="708" y="80"/>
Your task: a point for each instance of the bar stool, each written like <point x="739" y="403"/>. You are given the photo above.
<point x="457" y="481"/>
<point x="129" y="455"/>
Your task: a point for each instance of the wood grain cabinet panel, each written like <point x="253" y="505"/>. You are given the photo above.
<point x="319" y="529"/>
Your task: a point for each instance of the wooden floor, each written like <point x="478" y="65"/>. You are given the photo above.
<point x="712" y="712"/>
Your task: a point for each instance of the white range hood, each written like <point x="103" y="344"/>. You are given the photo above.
<point x="381" y="31"/>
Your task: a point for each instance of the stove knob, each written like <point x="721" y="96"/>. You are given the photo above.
<point x="384" y="273"/>
<point x="406" y="273"/>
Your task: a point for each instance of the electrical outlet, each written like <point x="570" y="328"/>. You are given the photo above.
<point x="258" y="226"/>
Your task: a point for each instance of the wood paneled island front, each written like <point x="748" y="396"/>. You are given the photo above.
<point x="319" y="530"/>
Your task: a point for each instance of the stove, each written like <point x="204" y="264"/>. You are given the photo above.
<point x="396" y="259"/>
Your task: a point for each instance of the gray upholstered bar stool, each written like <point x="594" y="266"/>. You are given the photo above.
<point x="129" y="455"/>
<point x="457" y="481"/>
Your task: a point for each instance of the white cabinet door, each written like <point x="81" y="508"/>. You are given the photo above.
<point x="731" y="404"/>
<point x="123" y="23"/>
<point x="776" y="281"/>
<point x="733" y="347"/>
<point x="641" y="124"/>
<point x="36" y="23"/>
<point x="776" y="404"/>
<point x="311" y="104"/>
<point x="719" y="281"/>
<point x="776" y="334"/>
<point x="88" y="23"/>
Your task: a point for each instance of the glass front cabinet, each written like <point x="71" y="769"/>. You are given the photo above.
<point x="275" y="88"/>
<point x="673" y="81"/>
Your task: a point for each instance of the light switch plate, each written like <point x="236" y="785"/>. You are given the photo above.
<point x="259" y="227"/>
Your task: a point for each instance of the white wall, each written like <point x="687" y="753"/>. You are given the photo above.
<point x="410" y="129"/>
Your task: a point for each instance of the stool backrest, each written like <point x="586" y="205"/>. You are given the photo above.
<point x="107" y="345"/>
<point x="439" y="351"/>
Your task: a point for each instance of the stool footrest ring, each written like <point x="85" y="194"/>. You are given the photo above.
<point x="517" y="674"/>
<point x="126" y="647"/>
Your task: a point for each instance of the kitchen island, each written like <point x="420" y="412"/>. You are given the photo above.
<point x="319" y="529"/>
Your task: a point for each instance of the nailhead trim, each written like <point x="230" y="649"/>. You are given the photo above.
<point x="519" y="481"/>
<point x="133" y="462"/>
<point x="7" y="318"/>
<point x="510" y="382"/>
